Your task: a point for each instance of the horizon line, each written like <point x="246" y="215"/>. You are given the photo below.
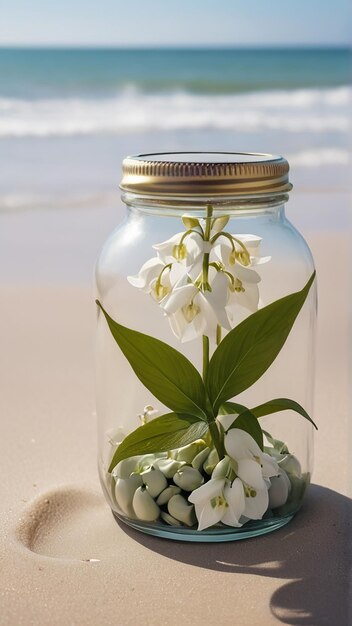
<point x="97" y="46"/>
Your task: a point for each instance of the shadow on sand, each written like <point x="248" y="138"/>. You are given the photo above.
<point x="312" y="553"/>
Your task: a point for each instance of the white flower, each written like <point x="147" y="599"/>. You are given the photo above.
<point x="185" y="250"/>
<point x="219" y="501"/>
<point x="202" y="277"/>
<point x="244" y="290"/>
<point x="244" y="249"/>
<point x="219" y="296"/>
<point x="241" y="446"/>
<point x="147" y="274"/>
<point x="253" y="467"/>
<point x="252" y="243"/>
<point x="244" y="283"/>
<point x="156" y="278"/>
<point x="190" y="313"/>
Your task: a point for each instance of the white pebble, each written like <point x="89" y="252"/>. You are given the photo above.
<point x="144" y="506"/>
<point x="179" y="508"/>
<point x="167" y="494"/>
<point x="168" y="467"/>
<point x="187" y="453"/>
<point x="125" y="468"/>
<point x="124" y="491"/>
<point x="169" y="519"/>
<point x="201" y="457"/>
<point x="279" y="489"/>
<point x="188" y="478"/>
<point x="291" y="465"/>
<point x="155" y="481"/>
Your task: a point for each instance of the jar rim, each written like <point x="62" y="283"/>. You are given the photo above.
<point x="205" y="174"/>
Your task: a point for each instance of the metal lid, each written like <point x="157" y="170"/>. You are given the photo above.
<point x="205" y="174"/>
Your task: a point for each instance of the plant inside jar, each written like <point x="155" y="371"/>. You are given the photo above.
<point x="208" y="461"/>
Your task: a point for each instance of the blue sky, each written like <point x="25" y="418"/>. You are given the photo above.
<point x="185" y="22"/>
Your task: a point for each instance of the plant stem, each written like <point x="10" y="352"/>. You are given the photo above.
<point x="205" y="356"/>
<point x="205" y="282"/>
<point x="208" y="222"/>
<point x="217" y="439"/>
<point x="213" y="427"/>
<point x="205" y="267"/>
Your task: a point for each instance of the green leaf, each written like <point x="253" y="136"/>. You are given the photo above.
<point x="232" y="407"/>
<point x="281" y="404"/>
<point x="245" y="421"/>
<point x="162" y="434"/>
<point x="250" y="348"/>
<point x="163" y="370"/>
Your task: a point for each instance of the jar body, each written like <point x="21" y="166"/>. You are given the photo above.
<point x="125" y="403"/>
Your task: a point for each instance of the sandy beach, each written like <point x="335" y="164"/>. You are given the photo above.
<point x="64" y="559"/>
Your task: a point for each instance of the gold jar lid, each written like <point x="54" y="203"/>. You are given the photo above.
<point x="205" y="174"/>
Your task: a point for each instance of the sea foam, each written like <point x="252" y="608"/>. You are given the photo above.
<point x="295" y="111"/>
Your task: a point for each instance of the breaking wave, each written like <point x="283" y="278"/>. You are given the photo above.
<point x="301" y="110"/>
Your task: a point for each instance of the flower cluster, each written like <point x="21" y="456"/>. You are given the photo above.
<point x="199" y="277"/>
<point x="191" y="485"/>
<point x="239" y="486"/>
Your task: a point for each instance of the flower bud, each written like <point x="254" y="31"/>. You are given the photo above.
<point x="279" y="489"/>
<point x="144" y="506"/>
<point x="179" y="508"/>
<point x="167" y="494"/>
<point x="188" y="478"/>
<point x="115" y="436"/>
<point x="190" y="222"/>
<point x="149" y="412"/>
<point x="155" y="481"/>
<point x="124" y="491"/>
<point x="219" y="224"/>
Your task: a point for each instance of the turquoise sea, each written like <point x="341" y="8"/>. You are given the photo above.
<point x="61" y="73"/>
<point x="67" y="117"/>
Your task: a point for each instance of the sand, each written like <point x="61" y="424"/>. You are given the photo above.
<point x="64" y="559"/>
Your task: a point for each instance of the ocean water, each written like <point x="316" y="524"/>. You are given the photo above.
<point x="67" y="117"/>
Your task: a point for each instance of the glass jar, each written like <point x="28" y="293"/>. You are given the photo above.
<point x="205" y="349"/>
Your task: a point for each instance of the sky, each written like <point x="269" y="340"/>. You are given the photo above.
<point x="181" y="23"/>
